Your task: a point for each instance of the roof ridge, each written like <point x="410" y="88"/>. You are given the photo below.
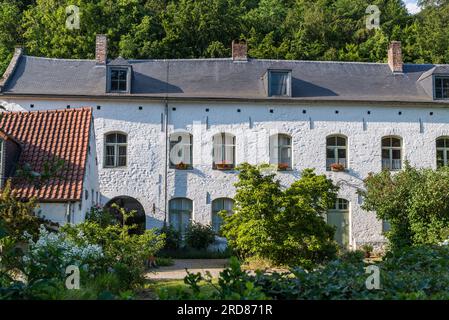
<point x="51" y="110"/>
<point x="250" y="59"/>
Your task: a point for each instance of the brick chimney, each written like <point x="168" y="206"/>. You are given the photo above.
<point x="239" y="50"/>
<point x="101" y="49"/>
<point x="395" y="57"/>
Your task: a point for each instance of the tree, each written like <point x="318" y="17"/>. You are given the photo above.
<point x="9" y="31"/>
<point x="285" y="226"/>
<point x="17" y="216"/>
<point x="414" y="201"/>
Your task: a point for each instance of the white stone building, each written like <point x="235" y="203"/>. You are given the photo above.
<point x="32" y="141"/>
<point x="362" y="116"/>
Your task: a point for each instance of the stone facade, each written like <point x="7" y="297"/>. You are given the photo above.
<point x="364" y="126"/>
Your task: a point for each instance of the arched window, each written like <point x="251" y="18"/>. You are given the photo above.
<point x="219" y="205"/>
<point x="223" y="152"/>
<point x="115" y="154"/>
<point x="180" y="213"/>
<point x="281" y="151"/>
<point x="391" y="153"/>
<point x="336" y="151"/>
<point x="181" y="153"/>
<point x="442" y="151"/>
<point x="338" y="216"/>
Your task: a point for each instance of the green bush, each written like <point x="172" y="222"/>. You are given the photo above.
<point x="284" y="226"/>
<point x="17" y="216"/>
<point x="124" y="254"/>
<point x="164" y="262"/>
<point x="414" y="201"/>
<point x="199" y="236"/>
<point x="102" y="216"/>
<point x="173" y="239"/>
<point x="411" y="273"/>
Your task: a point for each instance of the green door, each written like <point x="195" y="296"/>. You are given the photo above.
<point x="339" y="217"/>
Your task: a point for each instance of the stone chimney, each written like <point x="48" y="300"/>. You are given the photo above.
<point x="101" y="49"/>
<point x="395" y="57"/>
<point x="239" y="50"/>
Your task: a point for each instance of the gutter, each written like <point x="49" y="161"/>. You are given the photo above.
<point x="160" y="99"/>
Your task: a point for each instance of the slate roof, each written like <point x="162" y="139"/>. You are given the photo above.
<point x="224" y="79"/>
<point x="45" y="136"/>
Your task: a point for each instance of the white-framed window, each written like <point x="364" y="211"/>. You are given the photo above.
<point x="336" y="151"/>
<point x="115" y="153"/>
<point x="118" y="79"/>
<point x="279" y="83"/>
<point x="223" y="152"/>
<point x="180" y="213"/>
<point x="281" y="151"/>
<point x="181" y="150"/>
<point x="442" y="145"/>
<point x="218" y="205"/>
<point x="391" y="153"/>
<point x="442" y="87"/>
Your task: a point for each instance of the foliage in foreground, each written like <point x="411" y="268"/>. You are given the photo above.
<point x="111" y="261"/>
<point x="410" y="273"/>
<point x="414" y="201"/>
<point x="285" y="226"/>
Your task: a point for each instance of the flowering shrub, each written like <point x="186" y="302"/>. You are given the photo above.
<point x="125" y="254"/>
<point x="52" y="253"/>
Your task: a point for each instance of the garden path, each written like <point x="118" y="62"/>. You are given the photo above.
<point x="177" y="271"/>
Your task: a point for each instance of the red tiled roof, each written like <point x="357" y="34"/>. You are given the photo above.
<point x="46" y="136"/>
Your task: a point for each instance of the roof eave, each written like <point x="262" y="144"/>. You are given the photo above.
<point x="440" y="103"/>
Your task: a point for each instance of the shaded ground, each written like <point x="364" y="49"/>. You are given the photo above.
<point x="177" y="271"/>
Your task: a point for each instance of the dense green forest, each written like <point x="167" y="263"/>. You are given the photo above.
<point x="281" y="29"/>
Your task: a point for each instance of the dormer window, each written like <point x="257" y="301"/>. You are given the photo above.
<point x="279" y="83"/>
<point x="119" y="76"/>
<point x="118" y="80"/>
<point x="442" y="87"/>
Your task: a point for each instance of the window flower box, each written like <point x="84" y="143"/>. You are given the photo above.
<point x="337" y="167"/>
<point x="224" y="166"/>
<point x="283" y="166"/>
<point x="182" y="166"/>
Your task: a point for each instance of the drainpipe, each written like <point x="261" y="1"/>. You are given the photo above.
<point x="166" y="164"/>
<point x="68" y="212"/>
<point x="166" y="145"/>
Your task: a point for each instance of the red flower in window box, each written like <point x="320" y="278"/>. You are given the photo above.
<point x="337" y="167"/>
<point x="182" y="166"/>
<point x="283" y="166"/>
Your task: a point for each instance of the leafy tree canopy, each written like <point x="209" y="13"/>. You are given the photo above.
<point x="279" y="29"/>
